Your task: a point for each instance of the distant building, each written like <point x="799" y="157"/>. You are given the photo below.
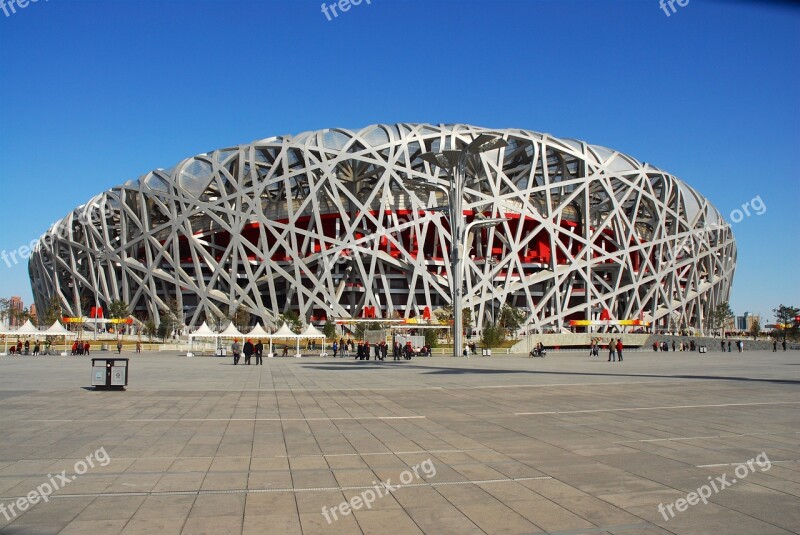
<point x="14" y="310"/>
<point x="741" y="322"/>
<point x="32" y="314"/>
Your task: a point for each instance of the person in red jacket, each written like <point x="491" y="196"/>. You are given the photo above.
<point x="619" y="349"/>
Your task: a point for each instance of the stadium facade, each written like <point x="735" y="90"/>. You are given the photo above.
<point x="333" y="224"/>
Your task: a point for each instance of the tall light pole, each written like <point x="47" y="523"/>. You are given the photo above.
<point x="492" y="261"/>
<point x="101" y="253"/>
<point x="454" y="162"/>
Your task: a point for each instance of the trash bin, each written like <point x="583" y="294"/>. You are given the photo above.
<point x="221" y="352"/>
<point x="109" y="373"/>
<point x="486" y="352"/>
<point x="703" y="349"/>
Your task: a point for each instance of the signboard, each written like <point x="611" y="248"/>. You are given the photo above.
<point x="627" y="323"/>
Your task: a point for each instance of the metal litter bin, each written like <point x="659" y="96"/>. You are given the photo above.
<point x="486" y="352"/>
<point x="703" y="349"/>
<point x="109" y="373"/>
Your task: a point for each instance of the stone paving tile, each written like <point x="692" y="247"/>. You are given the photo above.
<point x="213" y="525"/>
<point x="288" y="524"/>
<point x="309" y="423"/>
<point x="104" y="527"/>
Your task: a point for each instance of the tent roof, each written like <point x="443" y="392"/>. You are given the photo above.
<point x="231" y="332"/>
<point x="312" y="332"/>
<point x="27" y="328"/>
<point x="58" y="330"/>
<point x="258" y="332"/>
<point x="204" y="331"/>
<point x="284" y="332"/>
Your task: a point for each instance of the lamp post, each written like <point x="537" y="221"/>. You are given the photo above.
<point x="454" y="162"/>
<point x="492" y="261"/>
<point x="101" y="253"/>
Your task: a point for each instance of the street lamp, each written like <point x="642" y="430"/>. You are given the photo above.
<point x="454" y="162"/>
<point x="492" y="261"/>
<point x="102" y="252"/>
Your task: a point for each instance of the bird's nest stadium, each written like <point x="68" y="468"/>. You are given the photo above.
<point x="339" y="224"/>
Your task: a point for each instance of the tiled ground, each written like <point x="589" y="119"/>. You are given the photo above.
<point x="566" y="444"/>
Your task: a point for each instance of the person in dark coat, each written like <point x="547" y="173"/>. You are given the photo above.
<point x="259" y="349"/>
<point x="248" y="349"/>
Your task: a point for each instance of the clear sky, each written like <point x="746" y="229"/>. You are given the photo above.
<point x="94" y="93"/>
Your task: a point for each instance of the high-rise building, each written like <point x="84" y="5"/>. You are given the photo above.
<point x="15" y="309"/>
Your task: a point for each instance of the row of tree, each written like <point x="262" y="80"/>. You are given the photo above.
<point x="786" y="326"/>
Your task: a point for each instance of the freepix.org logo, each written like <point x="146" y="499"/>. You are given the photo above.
<point x="343" y="7"/>
<point x="9" y="7"/>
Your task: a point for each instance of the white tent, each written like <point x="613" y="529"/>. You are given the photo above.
<point x="231" y="332"/>
<point x="27" y="328"/>
<point x="204" y="331"/>
<point x="284" y="333"/>
<point x="56" y="329"/>
<point x="258" y="332"/>
<point x="312" y="332"/>
<point x="25" y="331"/>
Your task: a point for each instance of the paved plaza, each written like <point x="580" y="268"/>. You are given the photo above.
<point x="567" y="444"/>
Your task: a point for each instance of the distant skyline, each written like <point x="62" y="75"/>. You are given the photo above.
<point x="97" y="93"/>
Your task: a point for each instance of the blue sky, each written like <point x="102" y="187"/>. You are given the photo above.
<point x="95" y="93"/>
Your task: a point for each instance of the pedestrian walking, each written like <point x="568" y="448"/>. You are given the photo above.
<point x="236" y="349"/>
<point x="729" y="346"/>
<point x="775" y="345"/>
<point x="138" y="347"/>
<point x="248" y="350"/>
<point x="119" y="347"/>
<point x="612" y="351"/>
<point x="335" y="348"/>
<point x="259" y="353"/>
<point x="619" y="349"/>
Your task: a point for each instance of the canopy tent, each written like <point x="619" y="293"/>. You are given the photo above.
<point x="284" y="333"/>
<point x="258" y="332"/>
<point x="204" y="331"/>
<point x="231" y="332"/>
<point x="312" y="332"/>
<point x="27" y="329"/>
<point x="56" y="329"/>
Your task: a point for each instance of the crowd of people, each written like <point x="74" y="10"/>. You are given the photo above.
<point x="249" y="349"/>
<point x="25" y="348"/>
<point x="614" y="348"/>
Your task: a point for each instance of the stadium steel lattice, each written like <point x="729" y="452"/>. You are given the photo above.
<point x="334" y="224"/>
